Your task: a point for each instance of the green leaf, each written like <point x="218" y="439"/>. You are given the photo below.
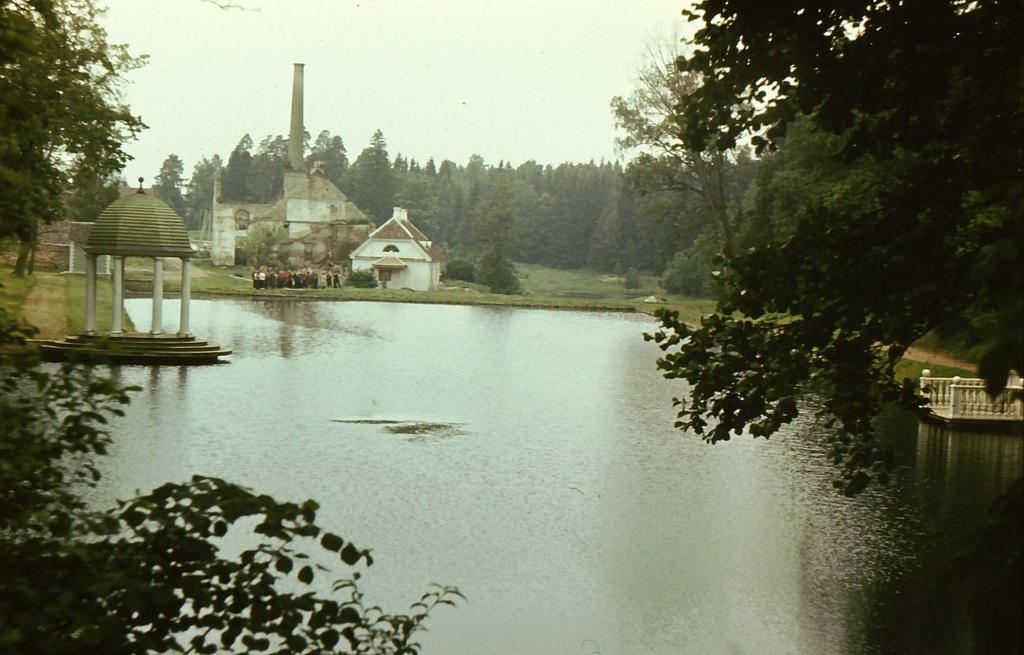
<point x="348" y="614"/>
<point x="350" y="555"/>
<point x="305" y="574"/>
<point x="330" y="638"/>
<point x="331" y="542"/>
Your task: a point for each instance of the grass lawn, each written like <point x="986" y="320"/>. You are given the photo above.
<point x="55" y="303"/>
<point x="75" y="307"/>
<point x="13" y="290"/>
<point x="541" y="281"/>
<point x="909" y="368"/>
<point x="957" y="348"/>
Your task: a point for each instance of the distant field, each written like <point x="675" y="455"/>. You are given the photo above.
<point x="540" y="281"/>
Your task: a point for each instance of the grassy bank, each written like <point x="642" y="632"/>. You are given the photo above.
<point x="911" y="368"/>
<point x="54" y="304"/>
<point x="13" y="290"/>
<point x="34" y="299"/>
<point x="542" y="288"/>
<point x="75" y="305"/>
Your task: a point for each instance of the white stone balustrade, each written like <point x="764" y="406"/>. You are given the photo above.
<point x="966" y="398"/>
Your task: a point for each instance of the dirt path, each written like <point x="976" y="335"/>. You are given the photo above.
<point x="928" y="357"/>
<point x="45" y="306"/>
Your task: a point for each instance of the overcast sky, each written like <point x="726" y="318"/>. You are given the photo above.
<point x="509" y="80"/>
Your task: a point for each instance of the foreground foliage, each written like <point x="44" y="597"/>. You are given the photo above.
<point x="203" y="566"/>
<point x="918" y="105"/>
<point x="61" y="116"/>
<point x="926" y="96"/>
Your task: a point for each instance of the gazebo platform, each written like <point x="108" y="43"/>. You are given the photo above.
<point x="132" y="348"/>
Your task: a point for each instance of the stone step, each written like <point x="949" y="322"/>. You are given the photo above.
<point x="132" y="348"/>
<point x="140" y="347"/>
<point x="136" y="344"/>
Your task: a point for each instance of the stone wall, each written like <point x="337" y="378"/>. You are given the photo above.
<point x="48" y="256"/>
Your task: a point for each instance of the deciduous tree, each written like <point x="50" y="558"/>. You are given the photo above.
<point x="931" y="90"/>
<point x="495" y="232"/>
<point x="696" y="188"/>
<point x="90" y="195"/>
<point x="60" y="110"/>
<point x="260" y="244"/>
<point x="842" y="297"/>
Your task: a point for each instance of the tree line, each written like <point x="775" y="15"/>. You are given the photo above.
<point x="669" y="210"/>
<point x="567" y="216"/>
<point x="672" y="210"/>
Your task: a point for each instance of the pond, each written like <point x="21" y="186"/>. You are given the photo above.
<point x="528" y="457"/>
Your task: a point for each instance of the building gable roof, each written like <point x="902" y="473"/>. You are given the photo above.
<point x="398" y="228"/>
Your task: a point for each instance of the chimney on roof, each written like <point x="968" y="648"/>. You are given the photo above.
<point x="295" y="135"/>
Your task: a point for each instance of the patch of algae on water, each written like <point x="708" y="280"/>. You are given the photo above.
<point x="415" y="430"/>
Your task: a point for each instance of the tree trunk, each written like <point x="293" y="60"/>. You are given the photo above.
<point x="26" y="251"/>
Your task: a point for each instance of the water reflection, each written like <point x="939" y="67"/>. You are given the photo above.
<point x="950" y="461"/>
<point x="565" y="506"/>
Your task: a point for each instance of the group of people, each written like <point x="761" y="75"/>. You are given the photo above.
<point x="265" y="277"/>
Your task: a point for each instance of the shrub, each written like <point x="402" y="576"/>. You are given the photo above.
<point x="362" y="278"/>
<point x="689" y="274"/>
<point x="498" y="273"/>
<point x="461" y="269"/>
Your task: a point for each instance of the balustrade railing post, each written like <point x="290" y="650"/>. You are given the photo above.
<point x="956" y="397"/>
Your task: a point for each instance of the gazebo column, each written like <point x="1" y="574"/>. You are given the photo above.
<point x="117" y="304"/>
<point x="157" y="326"/>
<point x="186" y="291"/>
<point x="90" y="294"/>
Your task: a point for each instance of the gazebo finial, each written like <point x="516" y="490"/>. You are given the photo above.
<point x="140" y="185"/>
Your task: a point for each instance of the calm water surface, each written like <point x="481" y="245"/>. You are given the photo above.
<point x="560" y="500"/>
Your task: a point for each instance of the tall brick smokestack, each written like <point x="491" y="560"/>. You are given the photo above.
<point x="295" y="135"/>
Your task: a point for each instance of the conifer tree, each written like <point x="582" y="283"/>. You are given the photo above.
<point x="235" y="180"/>
<point x="370" y="180"/>
<point x="168" y="183"/>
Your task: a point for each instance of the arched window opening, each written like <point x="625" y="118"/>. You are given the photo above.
<point x="390" y="248"/>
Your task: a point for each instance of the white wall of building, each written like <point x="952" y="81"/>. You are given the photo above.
<point x="420" y="274"/>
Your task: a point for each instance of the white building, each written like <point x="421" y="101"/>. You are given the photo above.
<point x="401" y="255"/>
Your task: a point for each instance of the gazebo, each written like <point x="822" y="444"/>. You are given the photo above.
<point x="138" y="225"/>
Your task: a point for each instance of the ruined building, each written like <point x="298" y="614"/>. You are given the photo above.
<point x="321" y="225"/>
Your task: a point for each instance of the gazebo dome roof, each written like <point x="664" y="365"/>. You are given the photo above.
<point x="139" y="225"/>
